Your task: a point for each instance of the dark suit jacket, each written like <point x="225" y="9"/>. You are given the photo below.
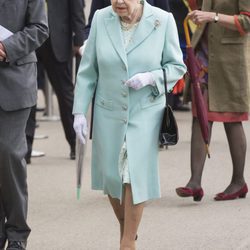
<point x="66" y="20"/>
<point x="180" y="11"/>
<point x="162" y="4"/>
<point x="99" y="4"/>
<point x="27" y="20"/>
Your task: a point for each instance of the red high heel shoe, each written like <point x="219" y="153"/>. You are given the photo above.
<point x="197" y="194"/>
<point x="239" y="194"/>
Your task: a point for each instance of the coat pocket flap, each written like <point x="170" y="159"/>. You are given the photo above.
<point x="152" y="100"/>
<point x="104" y="103"/>
<point x="232" y="40"/>
<point x="31" y="58"/>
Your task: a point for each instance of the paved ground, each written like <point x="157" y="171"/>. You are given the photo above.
<point x="60" y="222"/>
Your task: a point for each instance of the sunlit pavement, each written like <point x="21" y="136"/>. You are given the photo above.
<point x="60" y="222"/>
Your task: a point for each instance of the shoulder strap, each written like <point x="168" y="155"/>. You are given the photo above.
<point x="165" y="84"/>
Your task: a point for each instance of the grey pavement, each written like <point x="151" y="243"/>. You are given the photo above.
<point x="60" y="222"/>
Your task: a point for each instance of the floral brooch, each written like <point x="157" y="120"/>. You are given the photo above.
<point x="157" y="23"/>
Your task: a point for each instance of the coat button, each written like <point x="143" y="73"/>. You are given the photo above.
<point x="102" y="102"/>
<point x="124" y="107"/>
<point x="125" y="121"/>
<point x="124" y="94"/>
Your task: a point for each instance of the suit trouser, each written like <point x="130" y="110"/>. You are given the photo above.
<point x="13" y="175"/>
<point x="60" y="76"/>
<point x="30" y="131"/>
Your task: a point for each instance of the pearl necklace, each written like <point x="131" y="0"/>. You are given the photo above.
<point x="128" y="33"/>
<point x="127" y="26"/>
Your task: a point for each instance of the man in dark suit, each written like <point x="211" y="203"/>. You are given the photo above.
<point x="180" y="11"/>
<point x="26" y="24"/>
<point x="66" y="25"/>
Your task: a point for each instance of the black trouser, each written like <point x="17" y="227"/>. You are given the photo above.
<point x="60" y="76"/>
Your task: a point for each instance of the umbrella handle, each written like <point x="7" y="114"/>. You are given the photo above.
<point x="186" y="31"/>
<point x="187" y="5"/>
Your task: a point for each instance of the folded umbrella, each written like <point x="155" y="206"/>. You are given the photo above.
<point x="191" y="5"/>
<point x="195" y="70"/>
<point x="80" y="154"/>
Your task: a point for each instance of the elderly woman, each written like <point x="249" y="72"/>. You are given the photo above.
<point x="220" y="45"/>
<point x="129" y="44"/>
<point x="99" y="4"/>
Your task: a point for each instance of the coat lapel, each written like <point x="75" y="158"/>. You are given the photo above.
<point x="147" y="24"/>
<point x="113" y="28"/>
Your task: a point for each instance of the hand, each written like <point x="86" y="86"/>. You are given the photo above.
<point x="81" y="127"/>
<point x="140" y="80"/>
<point x="2" y="52"/>
<point x="200" y="17"/>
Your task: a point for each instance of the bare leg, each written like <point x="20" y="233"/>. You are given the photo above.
<point x="198" y="154"/>
<point x="119" y="212"/>
<point x="237" y="145"/>
<point x="133" y="214"/>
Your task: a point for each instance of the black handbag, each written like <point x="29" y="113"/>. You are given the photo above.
<point x="169" y="135"/>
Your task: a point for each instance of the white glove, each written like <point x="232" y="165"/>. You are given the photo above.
<point x="81" y="127"/>
<point x="140" y="80"/>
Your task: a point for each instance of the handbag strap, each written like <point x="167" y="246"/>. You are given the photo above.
<point x="166" y="94"/>
<point x="165" y="84"/>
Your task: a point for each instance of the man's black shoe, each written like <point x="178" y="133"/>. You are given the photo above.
<point x="16" y="245"/>
<point x="28" y="161"/>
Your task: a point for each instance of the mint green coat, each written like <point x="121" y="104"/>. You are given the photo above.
<point x="122" y="113"/>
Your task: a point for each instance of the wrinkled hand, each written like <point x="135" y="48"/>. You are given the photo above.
<point x="140" y="80"/>
<point x="81" y="127"/>
<point x="200" y="17"/>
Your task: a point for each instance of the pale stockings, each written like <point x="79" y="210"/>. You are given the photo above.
<point x="129" y="217"/>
